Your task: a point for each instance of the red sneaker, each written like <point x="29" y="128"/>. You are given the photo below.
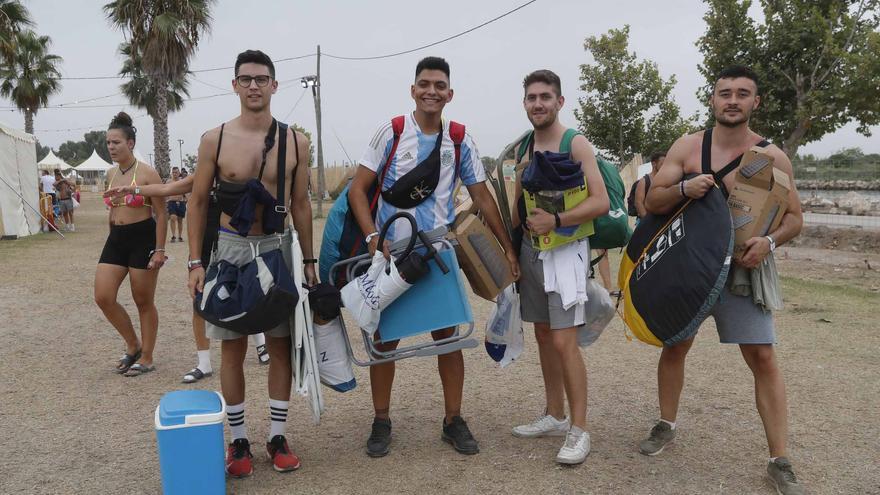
<point x="238" y="459"/>
<point x="282" y="458"/>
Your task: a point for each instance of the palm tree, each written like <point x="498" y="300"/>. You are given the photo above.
<point x="31" y="77"/>
<point x="141" y="92"/>
<point x="14" y="17"/>
<point x="165" y="33"/>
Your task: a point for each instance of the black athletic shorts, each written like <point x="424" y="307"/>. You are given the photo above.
<point x="130" y="245"/>
<point x="212" y="226"/>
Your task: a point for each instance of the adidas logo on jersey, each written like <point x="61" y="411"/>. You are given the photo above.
<point x="407" y="156"/>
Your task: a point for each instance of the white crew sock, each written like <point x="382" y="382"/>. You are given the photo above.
<point x="278" y="417"/>
<point x="235" y="418"/>
<point x="258" y="339"/>
<point x="670" y="423"/>
<point x="205" y="361"/>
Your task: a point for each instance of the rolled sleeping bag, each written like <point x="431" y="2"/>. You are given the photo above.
<point x="675" y="268"/>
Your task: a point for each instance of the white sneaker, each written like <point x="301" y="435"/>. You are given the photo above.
<point x="575" y="448"/>
<point x="72" y="228"/>
<point x="545" y="426"/>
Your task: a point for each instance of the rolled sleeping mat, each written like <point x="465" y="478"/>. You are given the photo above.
<point x="675" y="268"/>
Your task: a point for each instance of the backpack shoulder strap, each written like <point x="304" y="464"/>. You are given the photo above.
<point x="456" y="133"/>
<point x="647" y="184"/>
<point x="524" y="146"/>
<point x="567" y="137"/>
<point x="706" y="159"/>
<point x="397" y="125"/>
<point x="281" y="206"/>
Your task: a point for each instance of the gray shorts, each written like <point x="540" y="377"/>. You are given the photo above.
<point x="237" y="250"/>
<point x="65" y="205"/>
<point x="538" y="306"/>
<point x="740" y="321"/>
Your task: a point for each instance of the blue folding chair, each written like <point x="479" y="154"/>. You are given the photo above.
<point x="435" y="302"/>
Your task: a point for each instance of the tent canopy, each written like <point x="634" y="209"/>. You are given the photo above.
<point x="51" y="162"/>
<point x="94" y="164"/>
<point x="18" y="183"/>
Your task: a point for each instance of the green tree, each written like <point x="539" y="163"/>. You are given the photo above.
<point x="42" y="151"/>
<point x="76" y="152"/>
<point x="818" y="62"/>
<point x="14" y="17"/>
<point x="308" y="135"/>
<point x="165" y="34"/>
<point x="628" y="107"/>
<point x="142" y="92"/>
<point x="190" y="161"/>
<point x="31" y="77"/>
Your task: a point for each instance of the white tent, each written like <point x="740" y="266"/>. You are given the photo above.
<point x="51" y="162"/>
<point x="93" y="169"/>
<point x="18" y="184"/>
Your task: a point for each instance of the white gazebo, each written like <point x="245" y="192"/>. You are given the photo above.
<point x="51" y="162"/>
<point x="94" y="168"/>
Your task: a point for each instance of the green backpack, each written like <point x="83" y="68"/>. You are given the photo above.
<point x="611" y="230"/>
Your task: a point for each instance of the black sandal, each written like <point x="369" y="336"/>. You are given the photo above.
<point x="195" y="375"/>
<point x="127" y="361"/>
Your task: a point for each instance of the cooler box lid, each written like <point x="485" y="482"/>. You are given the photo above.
<point x="190" y="407"/>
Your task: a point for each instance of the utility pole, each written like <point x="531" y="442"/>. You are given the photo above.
<point x="316" y="93"/>
<point x="180" y="142"/>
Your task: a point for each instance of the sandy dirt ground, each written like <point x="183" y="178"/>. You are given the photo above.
<point x="71" y="425"/>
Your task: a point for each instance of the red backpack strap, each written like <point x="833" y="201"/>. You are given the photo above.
<point x="397" y="127"/>
<point x="456" y="133"/>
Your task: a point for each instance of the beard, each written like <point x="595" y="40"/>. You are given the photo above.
<point x="742" y="119"/>
<point x="546" y="124"/>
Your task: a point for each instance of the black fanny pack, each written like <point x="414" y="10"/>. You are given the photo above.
<point x="417" y="185"/>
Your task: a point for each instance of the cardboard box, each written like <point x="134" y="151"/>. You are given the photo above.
<point x="759" y="198"/>
<point x="480" y="256"/>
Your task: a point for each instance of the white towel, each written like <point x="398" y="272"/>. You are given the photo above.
<point x="565" y="272"/>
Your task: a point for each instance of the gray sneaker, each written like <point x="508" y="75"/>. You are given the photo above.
<point x="783" y="478"/>
<point x="661" y="435"/>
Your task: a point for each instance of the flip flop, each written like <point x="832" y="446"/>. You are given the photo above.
<point x="195" y="375"/>
<point x="126" y="361"/>
<point x="138" y="369"/>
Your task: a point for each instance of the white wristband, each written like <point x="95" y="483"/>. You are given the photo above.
<point x="369" y="237"/>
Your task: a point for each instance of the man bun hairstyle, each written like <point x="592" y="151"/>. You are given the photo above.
<point x="545" y="76"/>
<point x="123" y="122"/>
<point x="432" y="63"/>
<point x="735" y="71"/>
<point x="254" y="57"/>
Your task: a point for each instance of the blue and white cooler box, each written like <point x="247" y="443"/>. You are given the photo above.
<point x="189" y="434"/>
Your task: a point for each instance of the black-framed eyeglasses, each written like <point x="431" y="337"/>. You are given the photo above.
<point x="245" y="81"/>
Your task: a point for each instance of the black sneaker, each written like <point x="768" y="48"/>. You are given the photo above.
<point x="380" y="438"/>
<point x="459" y="436"/>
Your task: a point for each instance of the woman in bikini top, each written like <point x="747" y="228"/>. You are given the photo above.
<point x="135" y="248"/>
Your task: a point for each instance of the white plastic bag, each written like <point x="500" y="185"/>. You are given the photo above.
<point x="599" y="311"/>
<point x="366" y="296"/>
<point x="333" y="364"/>
<point x="75" y="202"/>
<point x="504" y="333"/>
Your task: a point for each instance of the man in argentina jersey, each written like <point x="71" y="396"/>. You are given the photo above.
<point x="431" y="92"/>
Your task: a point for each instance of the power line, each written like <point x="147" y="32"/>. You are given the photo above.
<point x="490" y="21"/>
<point x="212" y="69"/>
<point x="295" y="104"/>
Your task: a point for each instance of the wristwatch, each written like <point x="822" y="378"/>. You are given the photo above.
<point x="193" y="263"/>
<point x="772" y="243"/>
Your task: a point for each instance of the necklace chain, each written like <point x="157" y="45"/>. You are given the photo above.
<point x="123" y="172"/>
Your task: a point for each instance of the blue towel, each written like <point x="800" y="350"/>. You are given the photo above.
<point x="550" y="171"/>
<point x="255" y="193"/>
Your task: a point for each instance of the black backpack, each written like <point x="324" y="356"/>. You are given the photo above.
<point x="631" y="199"/>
